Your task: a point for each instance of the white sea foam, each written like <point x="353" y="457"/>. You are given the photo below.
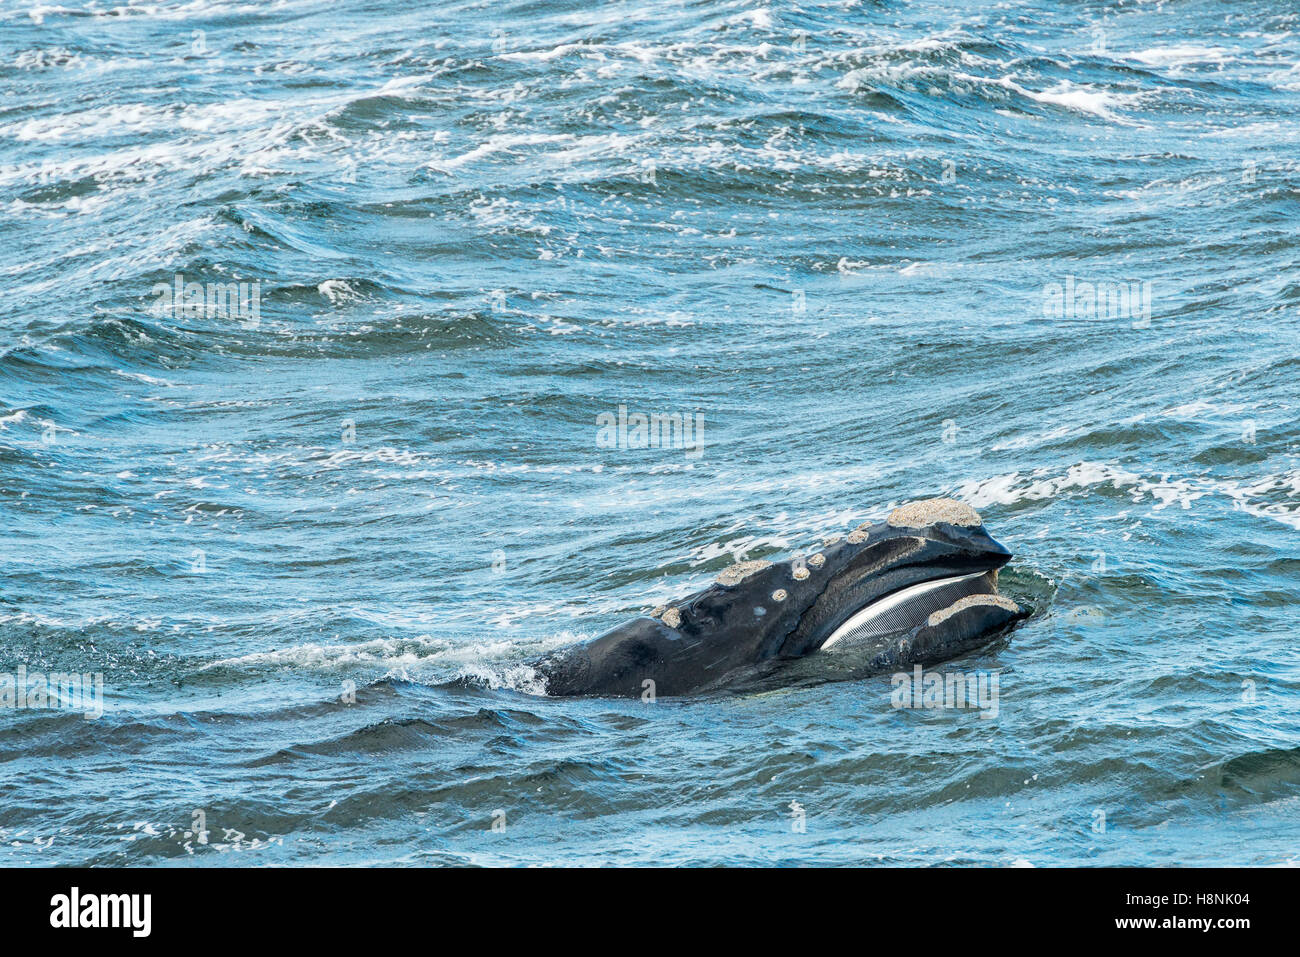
<point x="497" y="663"/>
<point x="1032" y="441"/>
<point x="338" y="291"/>
<point x="1180" y="55"/>
<point x="1254" y="498"/>
<point x="1195" y="409"/>
<point x="1079" y="97"/>
<point x="547" y="55"/>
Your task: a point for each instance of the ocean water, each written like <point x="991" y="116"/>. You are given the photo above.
<point x="1038" y="256"/>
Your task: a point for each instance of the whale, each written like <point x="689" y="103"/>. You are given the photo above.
<point x="918" y="588"/>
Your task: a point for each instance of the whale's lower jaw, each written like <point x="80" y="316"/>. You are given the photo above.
<point x="889" y="596"/>
<point x="951" y="617"/>
<point x="908" y="608"/>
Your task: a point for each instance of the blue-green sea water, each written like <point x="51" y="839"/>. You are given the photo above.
<point x="1040" y="256"/>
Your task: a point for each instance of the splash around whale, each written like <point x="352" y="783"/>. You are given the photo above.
<point x="918" y="588"/>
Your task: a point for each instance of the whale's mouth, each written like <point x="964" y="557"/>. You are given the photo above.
<point x="908" y="608"/>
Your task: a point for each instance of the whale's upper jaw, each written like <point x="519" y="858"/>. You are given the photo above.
<point x="760" y="612"/>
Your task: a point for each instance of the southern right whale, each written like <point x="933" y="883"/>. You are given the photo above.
<point x="918" y="588"/>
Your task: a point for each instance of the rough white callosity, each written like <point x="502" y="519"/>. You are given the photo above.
<point x="931" y="510"/>
<point x="738" y="572"/>
<point x="943" y="614"/>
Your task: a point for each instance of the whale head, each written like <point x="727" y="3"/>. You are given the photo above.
<point x="917" y="588"/>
